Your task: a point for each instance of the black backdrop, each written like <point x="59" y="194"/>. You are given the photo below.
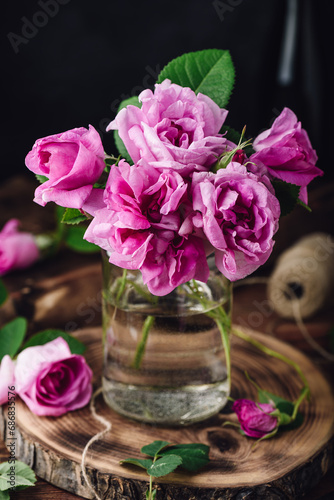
<point x="68" y="63"/>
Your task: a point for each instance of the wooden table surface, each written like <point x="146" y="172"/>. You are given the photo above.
<point x="28" y="288"/>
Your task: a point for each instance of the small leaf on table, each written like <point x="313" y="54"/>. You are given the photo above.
<point x="164" y="465"/>
<point x="23" y="475"/>
<point x="144" y="463"/>
<point x="153" y="449"/>
<point x="194" y="455"/>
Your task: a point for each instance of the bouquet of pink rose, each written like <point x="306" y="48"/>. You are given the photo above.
<point x="185" y="185"/>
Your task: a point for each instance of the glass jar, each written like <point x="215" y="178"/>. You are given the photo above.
<point x="165" y="357"/>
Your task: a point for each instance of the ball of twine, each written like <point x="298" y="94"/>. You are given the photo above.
<point x="303" y="277"/>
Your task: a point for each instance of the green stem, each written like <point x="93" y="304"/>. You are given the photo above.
<point x="121" y="286"/>
<point x="304" y="393"/>
<point x="223" y="322"/>
<point x="152" y="299"/>
<point x="148" y="323"/>
<point x="112" y="158"/>
<point x="274" y="354"/>
<point x="226" y="344"/>
<point x="150" y="490"/>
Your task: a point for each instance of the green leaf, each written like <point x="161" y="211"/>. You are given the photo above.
<point x="3" y="293"/>
<point x="230" y="133"/>
<point x="267" y="397"/>
<point x="287" y="195"/>
<point x="121" y="148"/>
<point x="4" y="495"/>
<point x="118" y="141"/>
<point x="284" y="406"/>
<point x="210" y="72"/>
<point x="286" y="409"/>
<point x="41" y="178"/>
<point x="131" y="101"/>
<point x="11" y="336"/>
<point x="164" y="465"/>
<point x="73" y="216"/>
<point x="74" y="240"/>
<point x="194" y="456"/>
<point x="143" y="463"/>
<point x="24" y="476"/>
<point x="41" y="338"/>
<point x="153" y="449"/>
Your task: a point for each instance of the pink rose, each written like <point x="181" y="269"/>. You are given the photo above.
<point x="18" y="250"/>
<point x="51" y="380"/>
<point x="254" y="418"/>
<point x="286" y="151"/>
<point x="173" y="124"/>
<point x="72" y="161"/>
<point x="139" y="226"/>
<point x="7" y="378"/>
<point x="239" y="215"/>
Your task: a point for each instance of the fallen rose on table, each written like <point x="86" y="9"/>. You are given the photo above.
<point x="48" y="371"/>
<point x="263" y="419"/>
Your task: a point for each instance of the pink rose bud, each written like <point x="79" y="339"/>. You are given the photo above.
<point x="72" y="162"/>
<point x="51" y="380"/>
<point x="7" y="367"/>
<point x="254" y="418"/>
<point x="18" y="250"/>
<point x="239" y="156"/>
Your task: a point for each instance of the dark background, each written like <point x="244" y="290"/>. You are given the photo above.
<point x="72" y="66"/>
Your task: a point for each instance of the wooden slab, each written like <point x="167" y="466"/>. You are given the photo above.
<point x="281" y="468"/>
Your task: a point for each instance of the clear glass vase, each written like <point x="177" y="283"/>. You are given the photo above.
<point x="165" y="357"/>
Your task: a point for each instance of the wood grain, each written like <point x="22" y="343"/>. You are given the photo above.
<point x="284" y="467"/>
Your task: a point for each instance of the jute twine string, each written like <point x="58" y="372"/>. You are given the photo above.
<point x="307" y="270"/>
<point x="297" y="315"/>
<point x="108" y="425"/>
<point x="316" y="285"/>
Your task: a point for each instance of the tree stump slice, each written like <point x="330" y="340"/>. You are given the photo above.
<point x="284" y="467"/>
